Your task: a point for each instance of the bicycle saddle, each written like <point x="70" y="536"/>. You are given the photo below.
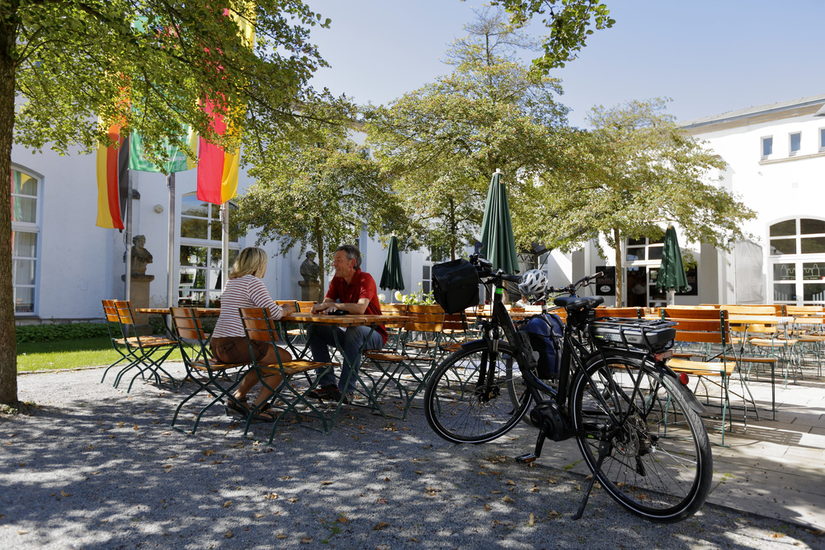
<point x="578" y="302"/>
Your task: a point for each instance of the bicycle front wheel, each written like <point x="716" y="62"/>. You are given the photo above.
<point x="643" y="442"/>
<point x="464" y="405"/>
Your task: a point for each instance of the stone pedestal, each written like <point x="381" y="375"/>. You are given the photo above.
<point x="139" y="296"/>
<point x="310" y="290"/>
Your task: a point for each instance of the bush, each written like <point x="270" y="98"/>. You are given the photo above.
<point x="69" y="331"/>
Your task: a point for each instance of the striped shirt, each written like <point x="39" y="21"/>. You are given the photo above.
<point x="246" y="291"/>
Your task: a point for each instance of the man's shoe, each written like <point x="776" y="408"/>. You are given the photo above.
<point x="329" y="392"/>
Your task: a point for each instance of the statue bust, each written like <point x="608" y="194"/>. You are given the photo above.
<point x="309" y="269"/>
<point x="140" y="256"/>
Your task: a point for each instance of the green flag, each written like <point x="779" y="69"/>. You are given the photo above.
<point x="177" y="160"/>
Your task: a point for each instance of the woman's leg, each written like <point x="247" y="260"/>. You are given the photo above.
<point x="272" y="381"/>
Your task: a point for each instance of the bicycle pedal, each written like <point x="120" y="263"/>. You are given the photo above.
<point x="526" y="458"/>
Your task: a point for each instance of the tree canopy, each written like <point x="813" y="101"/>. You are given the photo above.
<point x="640" y="173"/>
<point x="440" y="144"/>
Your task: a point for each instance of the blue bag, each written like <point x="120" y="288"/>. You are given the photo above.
<point x="545" y="333"/>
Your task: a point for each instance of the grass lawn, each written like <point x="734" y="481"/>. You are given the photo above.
<point x="67" y="354"/>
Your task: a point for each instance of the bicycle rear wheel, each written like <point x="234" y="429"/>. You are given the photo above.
<point x="463" y="406"/>
<point x="643" y="442"/>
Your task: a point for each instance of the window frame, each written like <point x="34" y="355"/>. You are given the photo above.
<point x="791" y="151"/>
<point x="28" y="227"/>
<point x="762" y="141"/>
<point x="797" y="259"/>
<point x="822" y="139"/>
<point x="208" y="244"/>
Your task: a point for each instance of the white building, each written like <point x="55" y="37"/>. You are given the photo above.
<point x="775" y="157"/>
<point x="64" y="265"/>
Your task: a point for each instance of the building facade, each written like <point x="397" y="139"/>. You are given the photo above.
<point x="63" y="265"/>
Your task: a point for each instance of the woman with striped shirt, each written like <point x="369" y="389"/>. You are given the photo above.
<point x="229" y="342"/>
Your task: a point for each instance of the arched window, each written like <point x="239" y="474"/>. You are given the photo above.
<point x="797" y="261"/>
<point x="199" y="281"/>
<point x="25" y="243"/>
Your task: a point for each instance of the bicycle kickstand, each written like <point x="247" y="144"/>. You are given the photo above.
<point x="530" y="457"/>
<point x="603" y="452"/>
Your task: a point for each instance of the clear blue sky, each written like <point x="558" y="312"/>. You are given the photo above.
<point x="709" y="56"/>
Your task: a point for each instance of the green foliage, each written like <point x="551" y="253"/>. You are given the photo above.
<point x="440" y="144"/>
<point x="68" y="331"/>
<point x="640" y="173"/>
<point x="570" y="23"/>
<point x="317" y="193"/>
<point x="418" y="298"/>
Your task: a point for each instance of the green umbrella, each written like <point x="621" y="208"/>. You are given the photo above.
<point x="497" y="242"/>
<point x="671" y="273"/>
<point x="391" y="278"/>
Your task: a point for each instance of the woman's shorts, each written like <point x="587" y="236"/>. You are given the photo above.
<point x="235" y="349"/>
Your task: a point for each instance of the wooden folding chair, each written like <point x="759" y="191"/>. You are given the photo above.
<point x="214" y="377"/>
<point x="292" y="395"/>
<point x="712" y="329"/>
<point x="139" y="351"/>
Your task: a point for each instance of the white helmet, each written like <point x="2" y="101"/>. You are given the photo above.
<point x="533" y="283"/>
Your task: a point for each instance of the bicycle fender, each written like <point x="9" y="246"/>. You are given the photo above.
<point x="690" y="398"/>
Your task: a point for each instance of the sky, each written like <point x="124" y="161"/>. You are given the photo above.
<point x="707" y="56"/>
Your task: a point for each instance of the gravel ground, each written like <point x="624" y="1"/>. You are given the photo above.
<point x="94" y="467"/>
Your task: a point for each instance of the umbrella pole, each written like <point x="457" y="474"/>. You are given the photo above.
<point x="671" y="297"/>
<point x="170" y="250"/>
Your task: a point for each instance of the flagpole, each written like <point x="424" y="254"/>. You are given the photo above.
<point x="171" y="301"/>
<point x="224" y="244"/>
<point x="127" y="278"/>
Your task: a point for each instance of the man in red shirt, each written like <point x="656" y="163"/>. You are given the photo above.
<point x="352" y="291"/>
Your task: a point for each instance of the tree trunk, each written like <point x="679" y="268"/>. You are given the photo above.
<point x="619" y="270"/>
<point x="319" y="246"/>
<point x="453" y="233"/>
<point x="8" y="347"/>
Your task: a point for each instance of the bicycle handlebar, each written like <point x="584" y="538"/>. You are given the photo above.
<point x="485" y="269"/>
<point x="572" y="288"/>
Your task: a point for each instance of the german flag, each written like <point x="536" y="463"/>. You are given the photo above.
<point x="112" y="180"/>
<point x="217" y="168"/>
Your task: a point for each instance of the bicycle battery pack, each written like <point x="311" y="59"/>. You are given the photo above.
<point x="653" y="335"/>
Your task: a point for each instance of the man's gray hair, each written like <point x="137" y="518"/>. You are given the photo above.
<point x="352" y="253"/>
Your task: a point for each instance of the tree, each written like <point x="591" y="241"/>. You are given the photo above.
<point x="143" y="64"/>
<point x="440" y="144"/>
<point x="640" y="174"/>
<point x="316" y="193"/>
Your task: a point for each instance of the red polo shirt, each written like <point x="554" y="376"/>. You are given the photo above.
<point x="362" y="285"/>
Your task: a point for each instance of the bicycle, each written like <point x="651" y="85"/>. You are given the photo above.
<point x="636" y="424"/>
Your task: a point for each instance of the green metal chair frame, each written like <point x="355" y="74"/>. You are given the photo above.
<point x="139" y="350"/>
<point x="291" y="396"/>
<point x="209" y="375"/>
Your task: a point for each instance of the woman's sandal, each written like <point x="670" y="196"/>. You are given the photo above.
<point x="235" y="406"/>
<point x="264" y="414"/>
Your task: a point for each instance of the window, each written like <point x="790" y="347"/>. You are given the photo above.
<point x="797" y="236"/>
<point x="798" y="261"/>
<point x="767" y="146"/>
<point x="426" y="278"/>
<point x="199" y="276"/>
<point x="25" y="231"/>
<point x="822" y="139"/>
<point x="795" y="142"/>
<point x="643" y="249"/>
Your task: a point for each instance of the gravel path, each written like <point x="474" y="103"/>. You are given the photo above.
<point x="93" y="467"/>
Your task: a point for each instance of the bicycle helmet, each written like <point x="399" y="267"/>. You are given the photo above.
<point x="533" y="283"/>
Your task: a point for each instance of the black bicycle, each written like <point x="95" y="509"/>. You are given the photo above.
<point x="636" y="424"/>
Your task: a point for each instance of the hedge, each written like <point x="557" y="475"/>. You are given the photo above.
<point x="68" y="331"/>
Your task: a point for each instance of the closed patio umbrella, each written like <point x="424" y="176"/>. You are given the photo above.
<point x="497" y="242"/>
<point x="671" y="276"/>
<point x="391" y="278"/>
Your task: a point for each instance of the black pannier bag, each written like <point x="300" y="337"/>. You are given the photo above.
<point x="455" y="285"/>
<point x="545" y="333"/>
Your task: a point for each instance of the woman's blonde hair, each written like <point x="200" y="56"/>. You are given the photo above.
<point x="251" y="261"/>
